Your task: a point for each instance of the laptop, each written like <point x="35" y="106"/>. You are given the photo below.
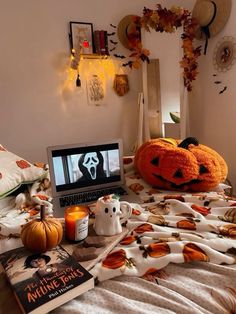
<point x="81" y="173"/>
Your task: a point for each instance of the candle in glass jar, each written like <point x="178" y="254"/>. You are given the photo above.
<point x="76" y="223"/>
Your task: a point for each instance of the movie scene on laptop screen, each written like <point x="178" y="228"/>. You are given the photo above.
<point x="86" y="166"/>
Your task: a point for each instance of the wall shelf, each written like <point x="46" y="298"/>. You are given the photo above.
<point x="93" y="56"/>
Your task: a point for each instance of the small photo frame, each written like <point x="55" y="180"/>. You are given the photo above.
<point x="81" y="37"/>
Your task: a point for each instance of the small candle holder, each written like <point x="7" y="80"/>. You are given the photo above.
<point x="76" y="223"/>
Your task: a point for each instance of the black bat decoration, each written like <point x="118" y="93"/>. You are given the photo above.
<point x="112" y="49"/>
<point x="223" y="90"/>
<point x="112" y="25"/>
<point x="119" y="56"/>
<point x="127" y="64"/>
<point x="111" y="34"/>
<point x="214" y="74"/>
<point x="217" y="82"/>
<point x="113" y="42"/>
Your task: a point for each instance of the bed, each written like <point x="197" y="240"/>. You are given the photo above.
<point x="178" y="257"/>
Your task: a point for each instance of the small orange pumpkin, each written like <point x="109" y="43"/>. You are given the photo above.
<point x="174" y="165"/>
<point x="228" y="230"/>
<point x="115" y="259"/>
<point x="40" y="235"/>
<point x="186" y="224"/>
<point x="192" y="252"/>
<point x="23" y="164"/>
<point x="144" y="228"/>
<point x="128" y="240"/>
<point x="158" y="249"/>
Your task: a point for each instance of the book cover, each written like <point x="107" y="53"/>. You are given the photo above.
<point x="94" y="248"/>
<point x="42" y="282"/>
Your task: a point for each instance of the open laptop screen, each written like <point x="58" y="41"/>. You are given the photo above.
<point x="80" y="167"/>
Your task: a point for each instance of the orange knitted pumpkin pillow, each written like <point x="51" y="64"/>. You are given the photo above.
<point x="180" y="165"/>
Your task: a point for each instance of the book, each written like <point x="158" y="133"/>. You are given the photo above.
<point x="101" y="42"/>
<point x="106" y="43"/>
<point x="94" y="248"/>
<point x="102" y="35"/>
<point x="42" y="282"/>
<point x="97" y="42"/>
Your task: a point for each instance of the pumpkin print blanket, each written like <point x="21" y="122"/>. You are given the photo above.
<point x="182" y="244"/>
<point x="174" y="229"/>
<point x="171" y="227"/>
<point x="168" y="227"/>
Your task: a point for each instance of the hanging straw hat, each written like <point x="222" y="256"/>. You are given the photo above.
<point x="128" y="32"/>
<point x="211" y="15"/>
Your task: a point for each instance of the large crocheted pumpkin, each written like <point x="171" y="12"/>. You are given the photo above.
<point x="174" y="165"/>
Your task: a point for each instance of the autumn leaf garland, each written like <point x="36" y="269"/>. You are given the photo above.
<point x="164" y="20"/>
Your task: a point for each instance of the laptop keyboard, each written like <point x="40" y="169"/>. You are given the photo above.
<point x="91" y="196"/>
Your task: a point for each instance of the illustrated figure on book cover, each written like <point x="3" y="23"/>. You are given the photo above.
<point x="37" y="279"/>
<point x="40" y="261"/>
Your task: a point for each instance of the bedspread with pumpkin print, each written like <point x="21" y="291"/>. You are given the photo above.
<point x="182" y="244"/>
<point x="172" y="227"/>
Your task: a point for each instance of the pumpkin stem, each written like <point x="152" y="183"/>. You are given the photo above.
<point x="189" y="140"/>
<point x="42" y="212"/>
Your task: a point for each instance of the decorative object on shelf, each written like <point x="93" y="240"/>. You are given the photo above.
<point x="164" y="20"/>
<point x="180" y="165"/>
<point x="175" y="117"/>
<point x="110" y="214"/>
<point x="95" y="90"/>
<point x="121" y="84"/>
<point x="101" y="42"/>
<point x="76" y="223"/>
<point x="81" y="34"/>
<point x="129" y="33"/>
<point x="224" y="55"/>
<point x="211" y="16"/>
<point x="40" y="235"/>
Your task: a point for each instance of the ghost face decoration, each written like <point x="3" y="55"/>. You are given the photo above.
<point x="110" y="214"/>
<point x="90" y="162"/>
<point x="91" y="166"/>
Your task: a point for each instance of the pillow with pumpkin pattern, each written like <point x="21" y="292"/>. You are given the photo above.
<point x="15" y="171"/>
<point x="180" y="165"/>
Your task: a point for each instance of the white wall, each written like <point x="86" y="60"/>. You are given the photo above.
<point x="213" y="115"/>
<point x="36" y="110"/>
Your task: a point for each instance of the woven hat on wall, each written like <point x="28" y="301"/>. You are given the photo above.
<point x="128" y="32"/>
<point x="211" y="16"/>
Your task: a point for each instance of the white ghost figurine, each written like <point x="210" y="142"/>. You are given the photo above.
<point x="110" y="213"/>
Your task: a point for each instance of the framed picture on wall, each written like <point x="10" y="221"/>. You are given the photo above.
<point x="95" y="90"/>
<point x="81" y="37"/>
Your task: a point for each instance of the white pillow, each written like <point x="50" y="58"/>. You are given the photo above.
<point x="15" y="171"/>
